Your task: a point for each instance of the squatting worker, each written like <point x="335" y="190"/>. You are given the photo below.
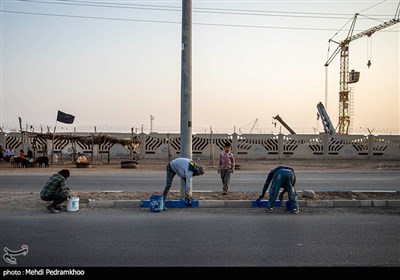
<point x="185" y="168"/>
<point x="280" y="177"/>
<point x="56" y="191"/>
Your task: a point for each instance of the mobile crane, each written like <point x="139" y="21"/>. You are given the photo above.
<point x="345" y="78"/>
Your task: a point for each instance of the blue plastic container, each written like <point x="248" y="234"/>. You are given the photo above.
<point x="156" y="203"/>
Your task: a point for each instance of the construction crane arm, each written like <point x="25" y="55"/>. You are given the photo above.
<point x="328" y="127"/>
<point x="252" y="128"/>
<point x="254" y="124"/>
<point x="333" y="55"/>
<point x="279" y="119"/>
<point x="367" y="32"/>
<point x="372" y="30"/>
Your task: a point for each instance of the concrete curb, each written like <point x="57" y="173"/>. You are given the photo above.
<point x="248" y="203"/>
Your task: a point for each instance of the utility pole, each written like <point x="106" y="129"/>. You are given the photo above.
<point x="131" y="149"/>
<point x="186" y="84"/>
<point x="211" y="147"/>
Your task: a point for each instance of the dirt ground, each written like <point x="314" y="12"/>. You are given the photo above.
<point x="17" y="200"/>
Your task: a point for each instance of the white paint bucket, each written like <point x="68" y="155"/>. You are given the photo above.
<point x="73" y="204"/>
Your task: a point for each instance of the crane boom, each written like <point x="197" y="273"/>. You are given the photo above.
<point x="252" y="127"/>
<point x="372" y="30"/>
<point x="279" y="119"/>
<point x="368" y="33"/>
<point x="343" y="48"/>
<point x="326" y="121"/>
<point x="254" y="124"/>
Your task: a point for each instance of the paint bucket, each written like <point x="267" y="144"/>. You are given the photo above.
<point x="156" y="203"/>
<point x="73" y="204"/>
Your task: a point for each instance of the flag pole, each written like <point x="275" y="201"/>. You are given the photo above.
<point x="22" y="134"/>
<point x="64" y="118"/>
<point x="52" y="143"/>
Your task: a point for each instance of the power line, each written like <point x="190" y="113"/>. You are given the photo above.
<point x="88" y="17"/>
<point x="171" y="22"/>
<point x="198" y="10"/>
<point x="178" y="9"/>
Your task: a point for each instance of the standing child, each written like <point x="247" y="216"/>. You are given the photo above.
<point x="226" y="166"/>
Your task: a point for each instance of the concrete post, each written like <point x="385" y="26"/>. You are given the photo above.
<point x="325" y="137"/>
<point x="211" y="148"/>
<point x="235" y="144"/>
<point x="371" y="140"/>
<point x="142" y="146"/>
<point x="280" y="145"/>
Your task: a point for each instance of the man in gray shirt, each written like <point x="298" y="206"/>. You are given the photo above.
<point x="185" y="168"/>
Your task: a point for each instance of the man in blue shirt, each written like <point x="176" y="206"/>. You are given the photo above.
<point x="280" y="177"/>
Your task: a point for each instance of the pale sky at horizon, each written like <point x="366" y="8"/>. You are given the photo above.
<point x="112" y="65"/>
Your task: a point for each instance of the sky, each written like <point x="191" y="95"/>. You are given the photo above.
<point x="116" y="65"/>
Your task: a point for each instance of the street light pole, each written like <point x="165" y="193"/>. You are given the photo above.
<point x="186" y="84"/>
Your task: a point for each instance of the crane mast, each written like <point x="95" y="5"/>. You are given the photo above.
<point x="343" y="48"/>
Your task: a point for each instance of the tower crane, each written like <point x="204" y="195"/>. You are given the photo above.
<point x="345" y="79"/>
<point x="279" y="119"/>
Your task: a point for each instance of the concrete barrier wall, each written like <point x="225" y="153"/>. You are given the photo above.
<point x="209" y="146"/>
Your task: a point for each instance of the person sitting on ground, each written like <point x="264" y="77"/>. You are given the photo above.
<point x="9" y="153"/>
<point x="56" y="191"/>
<point x="30" y="154"/>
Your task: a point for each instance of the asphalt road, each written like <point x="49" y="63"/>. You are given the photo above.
<point x="203" y="238"/>
<point x="137" y="180"/>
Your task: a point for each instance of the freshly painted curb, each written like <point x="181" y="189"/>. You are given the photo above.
<point x="248" y="203"/>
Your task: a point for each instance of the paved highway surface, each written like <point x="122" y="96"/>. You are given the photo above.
<point x="203" y="237"/>
<point x="137" y="180"/>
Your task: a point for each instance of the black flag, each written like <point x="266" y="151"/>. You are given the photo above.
<point x="65" y="118"/>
